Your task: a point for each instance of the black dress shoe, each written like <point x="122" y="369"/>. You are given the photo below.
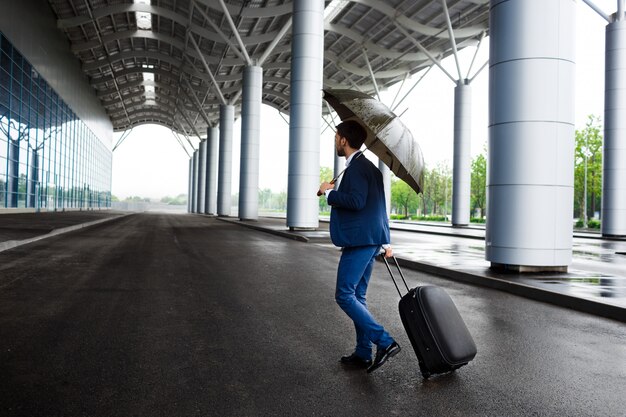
<point x="355" y="360"/>
<point x="382" y="355"/>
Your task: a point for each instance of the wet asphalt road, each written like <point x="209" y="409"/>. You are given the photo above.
<point x="182" y="315"/>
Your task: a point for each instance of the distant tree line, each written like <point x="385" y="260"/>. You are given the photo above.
<point x="435" y="202"/>
<point x="437" y="196"/>
<point x="271" y="201"/>
<point x="131" y="199"/>
<point x="588" y="157"/>
<point x="180" y="199"/>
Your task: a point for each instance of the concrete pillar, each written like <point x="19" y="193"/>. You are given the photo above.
<point x="307" y="55"/>
<point x="224" y="187"/>
<point x="13" y="177"/>
<point x="614" y="149"/>
<point x="530" y="169"/>
<point x="201" y="177"/>
<point x="190" y="185"/>
<point x="33" y="180"/>
<point x="338" y="165"/>
<point x="210" y="205"/>
<point x="384" y="169"/>
<point x="250" y="142"/>
<point x="462" y="170"/>
<point x="194" y="182"/>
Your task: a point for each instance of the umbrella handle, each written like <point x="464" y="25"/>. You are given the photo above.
<point x="341" y="173"/>
<point x="319" y="193"/>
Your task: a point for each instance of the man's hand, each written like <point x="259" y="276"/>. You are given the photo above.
<point x="388" y="252"/>
<point x="326" y="186"/>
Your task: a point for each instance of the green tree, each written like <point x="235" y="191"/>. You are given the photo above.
<point x="427" y="192"/>
<point x="136" y="199"/>
<point x="179" y="200"/>
<point x="265" y="198"/>
<point x="270" y="200"/>
<point x="2" y="192"/>
<point x="588" y="153"/>
<point x="21" y="185"/>
<point x="478" y="186"/>
<point x="403" y="197"/>
<point x="436" y="195"/>
<point x="279" y="201"/>
<point x="326" y="175"/>
<point x="440" y="182"/>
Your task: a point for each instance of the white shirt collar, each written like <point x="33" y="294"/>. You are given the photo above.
<point x="351" y="157"/>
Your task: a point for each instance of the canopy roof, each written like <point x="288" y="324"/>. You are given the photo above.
<point x="159" y="61"/>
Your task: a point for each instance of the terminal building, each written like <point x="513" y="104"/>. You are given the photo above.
<point x="53" y="155"/>
<point x="80" y="70"/>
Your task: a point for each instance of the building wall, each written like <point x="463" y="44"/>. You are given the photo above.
<point x="49" y="158"/>
<point x="55" y="137"/>
<point x="30" y="25"/>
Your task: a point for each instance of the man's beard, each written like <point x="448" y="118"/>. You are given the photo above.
<point x="340" y="152"/>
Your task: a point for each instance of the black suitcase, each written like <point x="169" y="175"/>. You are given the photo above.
<point x="435" y="328"/>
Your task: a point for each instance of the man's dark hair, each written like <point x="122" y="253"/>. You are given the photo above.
<point x="353" y="132"/>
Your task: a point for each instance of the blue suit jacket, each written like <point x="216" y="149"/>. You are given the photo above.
<point x="359" y="215"/>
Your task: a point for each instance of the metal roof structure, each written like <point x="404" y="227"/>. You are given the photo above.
<point x="173" y="62"/>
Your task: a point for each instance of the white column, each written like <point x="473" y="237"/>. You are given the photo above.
<point x="34" y="179"/>
<point x="210" y="196"/>
<point x="190" y="187"/>
<point x="530" y="182"/>
<point x="461" y="171"/>
<point x="194" y="183"/>
<point x="201" y="177"/>
<point x="384" y="169"/>
<point x="339" y="163"/>
<point x="13" y="173"/>
<point x="224" y="187"/>
<point x="614" y="149"/>
<point x="307" y="56"/>
<point x="250" y="142"/>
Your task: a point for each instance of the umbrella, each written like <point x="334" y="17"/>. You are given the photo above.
<point x="387" y="137"/>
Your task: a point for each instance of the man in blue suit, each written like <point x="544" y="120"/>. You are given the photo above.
<point x="359" y="225"/>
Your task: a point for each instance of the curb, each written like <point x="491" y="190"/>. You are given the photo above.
<point x="522" y="290"/>
<point x="10" y="244"/>
<point x="288" y="235"/>
<point x="519" y="289"/>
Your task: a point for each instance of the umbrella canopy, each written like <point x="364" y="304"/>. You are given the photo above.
<point x="387" y="137"/>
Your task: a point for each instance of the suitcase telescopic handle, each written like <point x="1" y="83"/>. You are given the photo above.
<point x="382" y="255"/>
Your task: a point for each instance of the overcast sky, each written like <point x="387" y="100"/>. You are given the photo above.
<point x="151" y="163"/>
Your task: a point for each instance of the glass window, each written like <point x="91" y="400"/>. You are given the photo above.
<point x="6" y="46"/>
<point x="50" y="146"/>
<point x="17" y="61"/>
<point x="5" y="101"/>
<point x="5" y="62"/>
<point x="5" y="79"/>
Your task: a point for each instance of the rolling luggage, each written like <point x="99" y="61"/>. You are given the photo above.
<point x="435" y="328"/>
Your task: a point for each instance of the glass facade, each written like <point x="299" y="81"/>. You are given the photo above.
<point x="49" y="158"/>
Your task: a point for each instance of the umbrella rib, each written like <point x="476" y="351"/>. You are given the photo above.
<point x="396" y="147"/>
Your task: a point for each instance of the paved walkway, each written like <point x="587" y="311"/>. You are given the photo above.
<point x="595" y="282"/>
<point x="18" y="229"/>
<point x="186" y="315"/>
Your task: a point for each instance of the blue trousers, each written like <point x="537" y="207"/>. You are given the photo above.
<point x="353" y="276"/>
